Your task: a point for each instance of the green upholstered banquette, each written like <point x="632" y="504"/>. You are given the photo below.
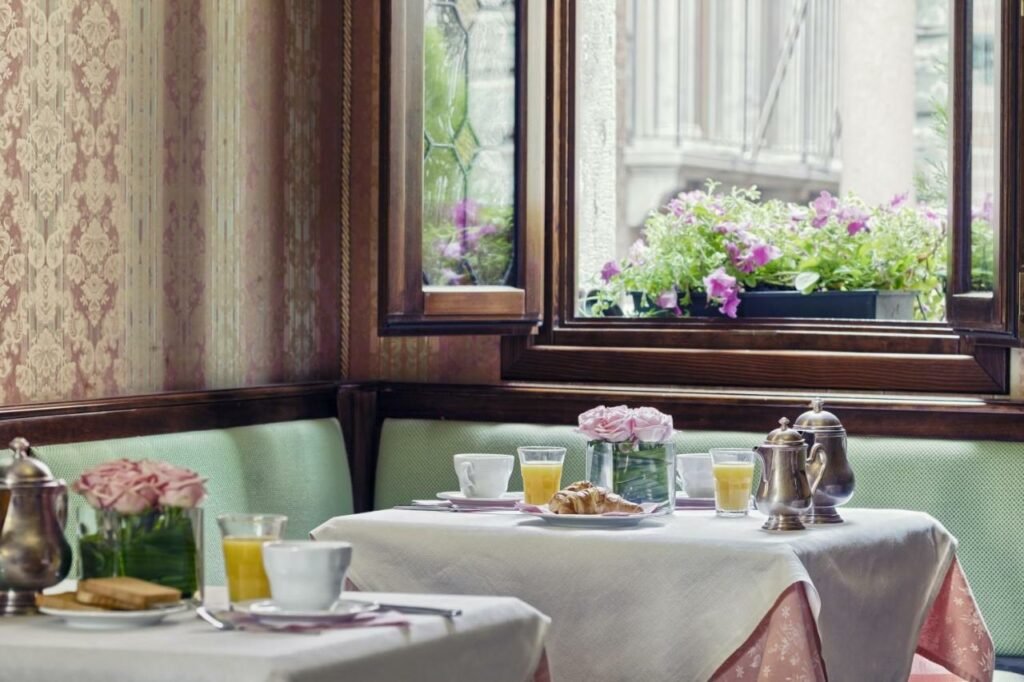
<point x="298" y="468"/>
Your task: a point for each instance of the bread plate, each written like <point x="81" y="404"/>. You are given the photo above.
<point x="609" y="520"/>
<point x="114" y="620"/>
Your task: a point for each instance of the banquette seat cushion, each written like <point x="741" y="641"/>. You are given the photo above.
<point x="971" y="487"/>
<point x="296" y="468"/>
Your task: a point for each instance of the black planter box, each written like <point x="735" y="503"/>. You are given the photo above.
<point x="866" y="304"/>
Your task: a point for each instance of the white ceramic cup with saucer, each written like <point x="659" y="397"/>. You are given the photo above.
<point x="306" y="575"/>
<point x="695" y="475"/>
<point x="483" y="475"/>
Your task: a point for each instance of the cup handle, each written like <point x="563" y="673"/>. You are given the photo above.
<point x="818" y="453"/>
<point x="764" y="467"/>
<point x="467" y="473"/>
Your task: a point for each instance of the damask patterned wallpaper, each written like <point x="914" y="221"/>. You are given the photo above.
<point x="166" y="220"/>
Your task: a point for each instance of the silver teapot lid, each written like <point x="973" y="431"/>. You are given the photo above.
<point x="817" y="420"/>
<point x="784" y="437"/>
<point x="25" y="468"/>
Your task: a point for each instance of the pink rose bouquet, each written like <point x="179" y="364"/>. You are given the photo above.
<point x="134" y="487"/>
<point x="148" y="523"/>
<point x="620" y="424"/>
<point x="630" y="452"/>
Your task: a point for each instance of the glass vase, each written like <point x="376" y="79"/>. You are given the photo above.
<point x="163" y="546"/>
<point x="639" y="471"/>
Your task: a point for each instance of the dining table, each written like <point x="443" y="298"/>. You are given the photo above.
<point x="494" y="638"/>
<point x="691" y="596"/>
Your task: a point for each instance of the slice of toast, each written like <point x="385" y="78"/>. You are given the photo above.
<point x="130" y="593"/>
<point x="104" y="602"/>
<point x="65" y="601"/>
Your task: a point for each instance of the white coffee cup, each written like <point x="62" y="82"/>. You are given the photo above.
<point x="306" y="575"/>
<point x="694" y="474"/>
<point x="482" y="475"/>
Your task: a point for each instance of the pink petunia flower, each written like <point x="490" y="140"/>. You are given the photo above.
<point x="823" y="207"/>
<point x="610" y="269"/>
<point x="718" y="284"/>
<point x="668" y="299"/>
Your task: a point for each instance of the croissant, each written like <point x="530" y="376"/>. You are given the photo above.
<point x="583" y="497"/>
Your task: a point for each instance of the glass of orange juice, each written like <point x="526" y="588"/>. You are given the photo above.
<point x="541" y="467"/>
<point x="733" y="471"/>
<point x="243" y="537"/>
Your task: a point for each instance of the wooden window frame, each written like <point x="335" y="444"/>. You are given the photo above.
<point x="406" y="306"/>
<point x="968" y="355"/>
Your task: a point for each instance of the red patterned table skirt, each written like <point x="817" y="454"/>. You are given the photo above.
<point x="954" y="643"/>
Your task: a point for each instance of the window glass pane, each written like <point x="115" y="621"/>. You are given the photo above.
<point x="469" y="101"/>
<point x="984" y="149"/>
<point x="779" y="158"/>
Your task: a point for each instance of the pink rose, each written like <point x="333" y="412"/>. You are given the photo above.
<point x="133" y="487"/>
<point x="612" y="424"/>
<point x="651" y="426"/>
<point x="183" y="488"/>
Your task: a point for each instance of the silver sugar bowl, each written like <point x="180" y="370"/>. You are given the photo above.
<point x="33" y="510"/>
<point x="820" y="427"/>
<point x="783" y="492"/>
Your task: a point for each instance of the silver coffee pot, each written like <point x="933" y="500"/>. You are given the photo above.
<point x="783" y="492"/>
<point x="820" y="427"/>
<point x="33" y="510"/>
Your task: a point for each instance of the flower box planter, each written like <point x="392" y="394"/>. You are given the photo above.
<point x="866" y="304"/>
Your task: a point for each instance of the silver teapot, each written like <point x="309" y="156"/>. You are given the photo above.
<point x="783" y="492"/>
<point x="820" y="427"/>
<point x="33" y="510"/>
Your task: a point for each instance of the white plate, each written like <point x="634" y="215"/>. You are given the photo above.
<point x="590" y="520"/>
<point x="457" y="498"/>
<point x="114" y="620"/>
<point x="341" y="610"/>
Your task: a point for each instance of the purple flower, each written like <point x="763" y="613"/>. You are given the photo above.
<point x="797" y="215"/>
<point x="823" y="207"/>
<point x="727" y="228"/>
<point x="464" y="212"/>
<point x="898" y="200"/>
<point x="676" y="207"/>
<point x="473" y="237"/>
<point x="450" y="276"/>
<point x="762" y="254"/>
<point x="719" y="284"/>
<point x="931" y="215"/>
<point x="637" y="252"/>
<point x="610" y="269"/>
<point x="855" y="219"/>
<point x="730" y="304"/>
<point x="668" y="299"/>
<point x="452" y="250"/>
<point x="985" y="211"/>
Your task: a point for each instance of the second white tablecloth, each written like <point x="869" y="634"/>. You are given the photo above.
<point x="671" y="599"/>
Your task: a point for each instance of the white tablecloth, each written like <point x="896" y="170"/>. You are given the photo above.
<point x="670" y="600"/>
<point x="496" y="638"/>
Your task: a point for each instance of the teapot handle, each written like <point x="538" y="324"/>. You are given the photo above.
<point x="818" y="453"/>
<point x="62" y="508"/>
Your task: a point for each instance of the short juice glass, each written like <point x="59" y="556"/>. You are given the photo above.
<point x="541" y="467"/>
<point x="243" y="537"/>
<point x="733" y="471"/>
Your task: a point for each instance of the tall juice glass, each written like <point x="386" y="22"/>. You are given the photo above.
<point x="733" y="471"/>
<point x="541" y="467"/>
<point x="243" y="537"/>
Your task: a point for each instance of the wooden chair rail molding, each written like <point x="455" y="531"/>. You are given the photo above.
<point x="84" y="420"/>
<point x="726" y="409"/>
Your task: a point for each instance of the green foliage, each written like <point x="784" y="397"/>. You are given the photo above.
<point x="827" y="245"/>
<point x="463" y="242"/>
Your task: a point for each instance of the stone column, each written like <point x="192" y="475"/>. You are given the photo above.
<point x="876" y="97"/>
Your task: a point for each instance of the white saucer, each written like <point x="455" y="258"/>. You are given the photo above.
<point x="114" y="620"/>
<point x="457" y="498"/>
<point x="341" y="610"/>
<point x="590" y="520"/>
